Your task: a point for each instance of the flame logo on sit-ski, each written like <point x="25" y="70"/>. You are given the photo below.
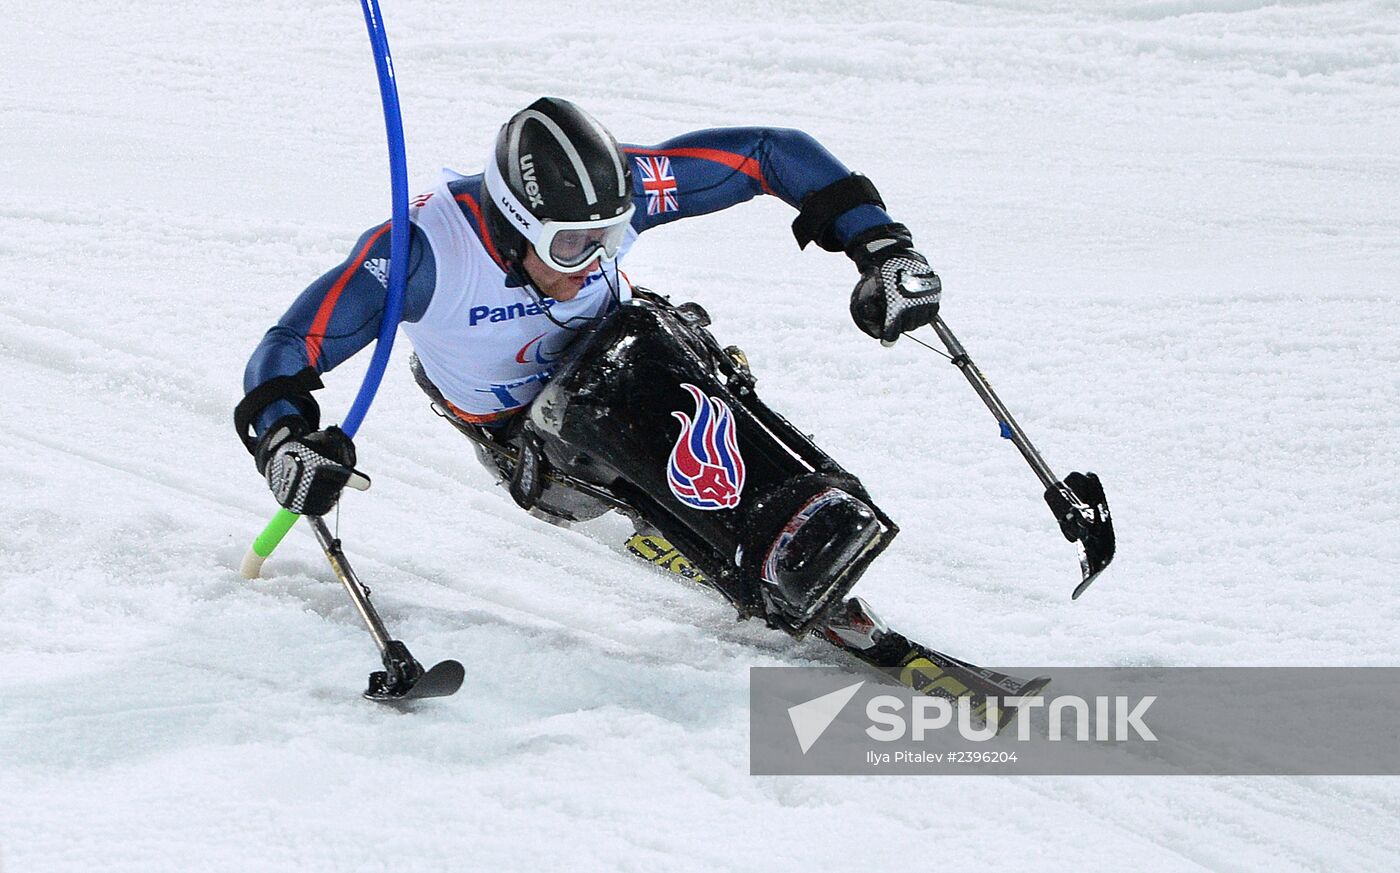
<point x="705" y="470"/>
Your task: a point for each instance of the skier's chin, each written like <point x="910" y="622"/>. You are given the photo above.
<point x="564" y="291"/>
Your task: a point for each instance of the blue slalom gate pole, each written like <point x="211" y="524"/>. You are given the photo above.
<point x="284" y="520"/>
<point x="398" y="230"/>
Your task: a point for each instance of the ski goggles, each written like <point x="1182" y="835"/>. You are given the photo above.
<point x="563" y="246"/>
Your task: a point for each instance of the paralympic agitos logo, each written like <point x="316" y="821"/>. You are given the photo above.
<point x="534" y="350"/>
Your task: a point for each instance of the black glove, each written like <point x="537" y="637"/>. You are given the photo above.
<point x="898" y="291"/>
<point x="306" y="471"/>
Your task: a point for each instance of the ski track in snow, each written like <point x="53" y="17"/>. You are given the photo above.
<point x="1168" y="233"/>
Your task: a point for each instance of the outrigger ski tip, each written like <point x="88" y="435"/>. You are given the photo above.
<point x="1081" y="508"/>
<point x="399" y="681"/>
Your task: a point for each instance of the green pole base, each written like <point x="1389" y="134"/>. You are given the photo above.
<point x="266" y="542"/>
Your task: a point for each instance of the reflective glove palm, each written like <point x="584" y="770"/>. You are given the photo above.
<point x="306" y="471"/>
<point x="898" y="291"/>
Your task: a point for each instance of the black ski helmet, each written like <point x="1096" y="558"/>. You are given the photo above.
<point x="560" y="165"/>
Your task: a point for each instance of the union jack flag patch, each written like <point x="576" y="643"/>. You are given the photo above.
<point x="659" y="183"/>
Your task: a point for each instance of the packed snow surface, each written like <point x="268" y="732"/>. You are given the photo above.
<point x="1168" y="232"/>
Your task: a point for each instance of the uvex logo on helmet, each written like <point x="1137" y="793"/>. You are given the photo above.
<point x="522" y="217"/>
<point x="532" y="186"/>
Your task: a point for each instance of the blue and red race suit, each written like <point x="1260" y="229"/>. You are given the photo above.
<point x="488" y="343"/>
